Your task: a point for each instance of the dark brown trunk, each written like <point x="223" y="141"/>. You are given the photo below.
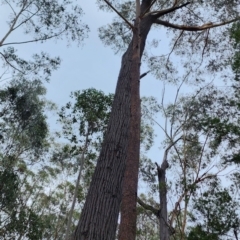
<point x="99" y="216"/>
<point x="127" y="229"/>
<point x="100" y="213"/>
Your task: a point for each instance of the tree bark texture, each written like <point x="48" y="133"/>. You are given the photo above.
<point x="98" y="220"/>
<point x="127" y="229"/>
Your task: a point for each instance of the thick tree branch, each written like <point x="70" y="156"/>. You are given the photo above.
<point x="157" y="14"/>
<point x="175" y="2"/>
<point x="168" y="148"/>
<point x="137" y="8"/>
<point x="148" y="207"/>
<point x="193" y="28"/>
<point x="118" y="13"/>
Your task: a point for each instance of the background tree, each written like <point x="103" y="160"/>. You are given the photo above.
<point x="147" y="222"/>
<point x="219" y="214"/>
<point x="202" y="131"/>
<point x="24" y="135"/>
<point x="84" y="123"/>
<point x="24" y="132"/>
<point x="37" y="184"/>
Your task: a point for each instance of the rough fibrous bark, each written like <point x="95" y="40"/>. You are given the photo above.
<point x="127" y="229"/>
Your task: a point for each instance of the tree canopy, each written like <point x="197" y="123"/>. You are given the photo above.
<point x="92" y="166"/>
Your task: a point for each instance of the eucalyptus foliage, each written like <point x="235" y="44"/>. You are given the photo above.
<point x="37" y="21"/>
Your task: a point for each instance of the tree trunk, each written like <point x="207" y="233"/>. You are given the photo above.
<point x="82" y="160"/>
<point x="127" y="229"/>
<point x="163" y="214"/>
<point x="100" y="213"/>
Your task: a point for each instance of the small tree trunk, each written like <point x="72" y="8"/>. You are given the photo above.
<point x="163" y="214"/>
<point x="82" y="159"/>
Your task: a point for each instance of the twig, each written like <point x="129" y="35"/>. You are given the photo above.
<point x="115" y="10"/>
<point x="11" y="64"/>
<point x="205" y="45"/>
<point x="35" y="40"/>
<point x="174" y="45"/>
